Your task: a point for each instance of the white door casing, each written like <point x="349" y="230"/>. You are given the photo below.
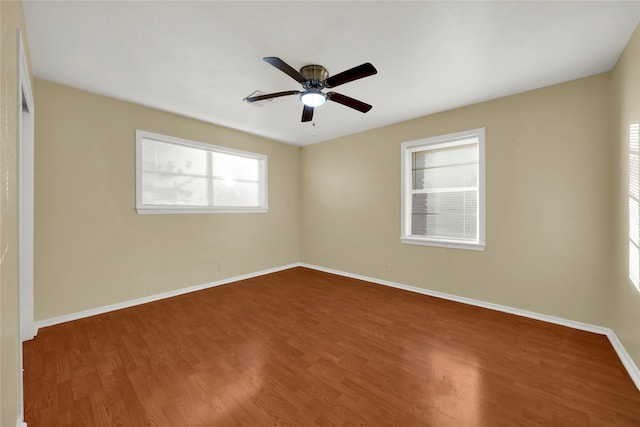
<point x="25" y="210"/>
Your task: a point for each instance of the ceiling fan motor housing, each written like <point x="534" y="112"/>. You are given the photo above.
<point x="315" y="75"/>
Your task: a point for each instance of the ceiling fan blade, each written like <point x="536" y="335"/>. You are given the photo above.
<point x="349" y="102"/>
<point x="355" y="73"/>
<point x="285" y="68"/>
<point x="271" y="95"/>
<point x="307" y="114"/>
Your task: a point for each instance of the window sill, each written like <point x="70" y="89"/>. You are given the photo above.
<point x="193" y="210"/>
<point x="443" y="243"/>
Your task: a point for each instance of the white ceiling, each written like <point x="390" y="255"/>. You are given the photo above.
<point x="200" y="59"/>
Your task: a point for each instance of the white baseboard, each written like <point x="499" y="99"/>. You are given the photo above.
<point x="29" y="332"/>
<point x="20" y="422"/>
<point x="126" y="304"/>
<point x="625" y="358"/>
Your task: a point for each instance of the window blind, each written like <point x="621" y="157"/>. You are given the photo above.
<point x="634" y="208"/>
<point x="444" y="191"/>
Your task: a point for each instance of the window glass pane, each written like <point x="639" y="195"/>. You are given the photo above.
<point x="445" y="215"/>
<point x="419" y="215"/>
<point x="236" y="167"/>
<point x="634" y="221"/>
<point x="174" y="159"/>
<point x="446" y="177"/>
<point x="180" y="174"/>
<point x="634" y="267"/>
<point x="457" y="202"/>
<point x="634" y="174"/>
<point x="228" y="192"/>
<point x="451" y="227"/>
<point x="435" y="157"/>
<point x="164" y="189"/>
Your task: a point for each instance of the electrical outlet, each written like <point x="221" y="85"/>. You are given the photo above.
<point x="220" y="266"/>
<point x="388" y="267"/>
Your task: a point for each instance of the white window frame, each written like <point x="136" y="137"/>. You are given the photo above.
<point x="406" y="151"/>
<point x="189" y="209"/>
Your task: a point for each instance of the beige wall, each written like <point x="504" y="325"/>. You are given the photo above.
<point x="625" y="95"/>
<point x="11" y="18"/>
<point x="548" y="183"/>
<point x="92" y="248"/>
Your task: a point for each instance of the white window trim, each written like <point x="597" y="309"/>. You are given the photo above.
<point x="164" y="209"/>
<point x="406" y="150"/>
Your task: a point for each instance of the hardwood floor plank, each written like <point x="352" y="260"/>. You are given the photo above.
<point x="306" y="348"/>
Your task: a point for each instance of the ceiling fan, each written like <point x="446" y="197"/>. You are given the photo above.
<point x="315" y="78"/>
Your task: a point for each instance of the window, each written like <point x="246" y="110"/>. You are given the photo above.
<point x="175" y="175"/>
<point x="634" y="210"/>
<point x="443" y="191"/>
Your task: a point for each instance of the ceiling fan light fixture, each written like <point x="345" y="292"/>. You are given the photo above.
<point x="313" y="98"/>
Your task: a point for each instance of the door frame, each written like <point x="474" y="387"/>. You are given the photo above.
<point x="26" y="124"/>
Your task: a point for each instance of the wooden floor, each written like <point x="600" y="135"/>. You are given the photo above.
<point x="305" y="348"/>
